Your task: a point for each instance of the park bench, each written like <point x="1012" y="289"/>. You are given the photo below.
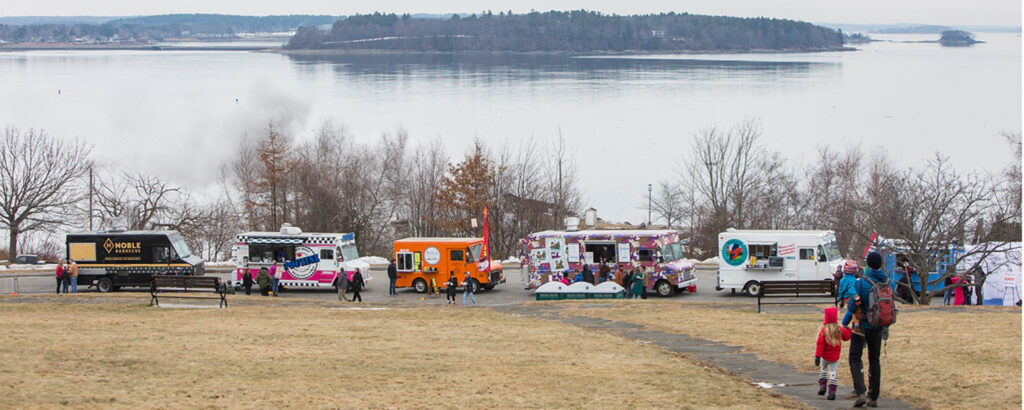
<point x="173" y="286"/>
<point x="820" y="289"/>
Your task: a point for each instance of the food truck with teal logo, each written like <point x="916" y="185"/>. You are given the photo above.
<point x="306" y="259"/>
<point x="747" y="258"/>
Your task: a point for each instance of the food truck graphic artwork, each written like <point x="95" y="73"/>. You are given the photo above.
<point x="425" y="263"/>
<point x="546" y="256"/>
<point x="113" y="259"/>
<point x="308" y="260"/>
<point x="746" y="258"/>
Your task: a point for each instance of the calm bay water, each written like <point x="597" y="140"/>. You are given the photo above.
<point x="629" y="118"/>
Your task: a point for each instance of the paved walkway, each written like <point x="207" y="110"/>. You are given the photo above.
<point x="784" y="378"/>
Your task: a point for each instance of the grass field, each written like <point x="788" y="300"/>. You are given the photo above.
<point x="129" y="355"/>
<point x="933" y="359"/>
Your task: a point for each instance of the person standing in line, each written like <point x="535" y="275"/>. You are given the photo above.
<point x="947" y="296"/>
<point x="587" y="275"/>
<point x="247" y="281"/>
<point x="60" y="274"/>
<point x="275" y="278"/>
<point x="643" y="285"/>
<point x="450" y="290"/>
<point x="392" y="276"/>
<point x="638" y="284"/>
<point x="468" y="287"/>
<point x="263" y="280"/>
<point x="602" y="272"/>
<point x="357" y="285"/>
<point x="613" y="275"/>
<point x="74" y="276"/>
<point x="627" y="282"/>
<point x="65" y="279"/>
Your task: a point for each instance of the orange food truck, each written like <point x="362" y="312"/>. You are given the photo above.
<point x="424" y="262"/>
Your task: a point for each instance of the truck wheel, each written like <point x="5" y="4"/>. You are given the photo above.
<point x="752" y="288"/>
<point x="664" y="288"/>
<point x="489" y="286"/>
<point x="419" y="285"/>
<point x="104" y="285"/>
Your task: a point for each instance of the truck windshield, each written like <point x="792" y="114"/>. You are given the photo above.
<point x="474" y="251"/>
<point x="349" y="252"/>
<point x="179" y="245"/>
<point x="672" y="252"/>
<point x="831" y="250"/>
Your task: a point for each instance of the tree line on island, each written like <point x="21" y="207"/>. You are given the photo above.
<point x="572" y="31"/>
<point x="390" y="188"/>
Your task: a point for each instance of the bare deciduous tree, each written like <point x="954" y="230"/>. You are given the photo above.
<point x="37" y="180"/>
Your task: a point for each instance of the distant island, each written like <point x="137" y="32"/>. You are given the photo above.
<point x="127" y="31"/>
<point x="569" y="31"/>
<point x="957" y="38"/>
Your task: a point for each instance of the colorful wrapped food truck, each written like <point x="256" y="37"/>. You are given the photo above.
<point x="425" y="263"/>
<point x="547" y="256"/>
<point x="748" y="258"/>
<point x="307" y="260"/>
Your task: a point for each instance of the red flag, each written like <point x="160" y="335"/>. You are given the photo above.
<point x="874" y="236"/>
<point x="487" y="239"/>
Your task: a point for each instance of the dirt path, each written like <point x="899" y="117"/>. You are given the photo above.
<point x="783" y="378"/>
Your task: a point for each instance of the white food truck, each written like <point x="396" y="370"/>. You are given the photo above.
<point x="309" y="260"/>
<point x="749" y="257"/>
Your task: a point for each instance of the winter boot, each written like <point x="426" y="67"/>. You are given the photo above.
<point x="821" y="386"/>
<point x="832" y="392"/>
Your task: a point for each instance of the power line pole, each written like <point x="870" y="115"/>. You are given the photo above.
<point x="649" y="189"/>
<point x="90" y="197"/>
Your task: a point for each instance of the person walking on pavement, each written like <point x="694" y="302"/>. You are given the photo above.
<point x="343" y="286"/>
<point x="392" y="277"/>
<point x="468" y="287"/>
<point x="65" y="279"/>
<point x="74" y="276"/>
<point x="60" y="274"/>
<point x="357" y="285"/>
<point x="450" y="289"/>
<point x="871" y="338"/>
<point x="247" y="281"/>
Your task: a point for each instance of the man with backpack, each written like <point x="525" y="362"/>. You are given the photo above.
<point x="876" y="310"/>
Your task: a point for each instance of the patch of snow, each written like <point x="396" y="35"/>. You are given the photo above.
<point x="713" y="260"/>
<point x="511" y="261"/>
<point x="48" y="266"/>
<point x="221" y="264"/>
<point x="372" y="260"/>
<point x="764" y="385"/>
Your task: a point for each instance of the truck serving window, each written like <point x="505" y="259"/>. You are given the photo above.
<point x="404" y="261"/>
<point x="645" y="255"/>
<point x="763" y="251"/>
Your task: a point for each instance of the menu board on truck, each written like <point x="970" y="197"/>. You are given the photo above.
<point x="556" y="253"/>
<point x="624" y="253"/>
<point x="573" y="252"/>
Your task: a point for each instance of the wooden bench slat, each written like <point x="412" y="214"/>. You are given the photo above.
<point x="178" y="284"/>
<point x="795" y="289"/>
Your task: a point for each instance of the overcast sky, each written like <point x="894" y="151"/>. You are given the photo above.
<point x="946" y="12"/>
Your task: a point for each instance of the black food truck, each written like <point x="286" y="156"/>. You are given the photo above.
<point x="111" y="259"/>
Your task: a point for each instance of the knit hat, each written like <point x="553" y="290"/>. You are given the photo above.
<point x="874" y="260"/>
<point x="850" y="267"/>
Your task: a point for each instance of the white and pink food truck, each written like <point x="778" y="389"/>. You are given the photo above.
<point x="308" y="260"/>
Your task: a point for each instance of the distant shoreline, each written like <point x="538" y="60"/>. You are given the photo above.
<point x="171" y="47"/>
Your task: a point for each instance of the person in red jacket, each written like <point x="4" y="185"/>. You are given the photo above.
<point x="830" y="344"/>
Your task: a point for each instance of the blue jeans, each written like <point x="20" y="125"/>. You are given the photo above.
<point x="273" y="285"/>
<point x="947" y="297"/>
<point x="470" y="297"/>
<point x="391" y="286"/>
<point x="74" y="284"/>
<point x="65" y="285"/>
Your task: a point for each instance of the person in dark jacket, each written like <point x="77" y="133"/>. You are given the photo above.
<point x="247" y="282"/>
<point x="872" y="337"/>
<point x="263" y="280"/>
<point x="602" y="272"/>
<point x="357" y="285"/>
<point x="65" y="279"/>
<point x="627" y="282"/>
<point x="468" y="287"/>
<point x="588" y="275"/>
<point x="392" y="277"/>
<point x="453" y="283"/>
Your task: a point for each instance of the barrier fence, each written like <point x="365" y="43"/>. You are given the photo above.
<point x="28" y="283"/>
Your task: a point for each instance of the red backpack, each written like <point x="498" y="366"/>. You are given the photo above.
<point x="881" y="311"/>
